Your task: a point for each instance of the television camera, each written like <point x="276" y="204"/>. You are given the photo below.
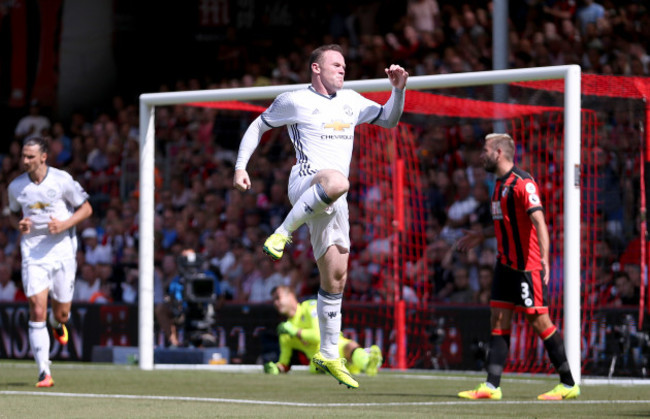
<point x="195" y="311"/>
<point x="631" y="348"/>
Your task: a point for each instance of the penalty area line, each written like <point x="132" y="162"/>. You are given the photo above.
<point x="300" y="404"/>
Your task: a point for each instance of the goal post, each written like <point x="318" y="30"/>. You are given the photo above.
<point x="570" y="74"/>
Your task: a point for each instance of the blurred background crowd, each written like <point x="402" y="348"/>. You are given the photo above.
<point x="196" y="207"/>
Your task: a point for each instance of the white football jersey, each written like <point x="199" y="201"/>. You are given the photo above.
<point x="321" y="127"/>
<point x="56" y="196"/>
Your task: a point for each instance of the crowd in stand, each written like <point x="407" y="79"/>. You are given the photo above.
<point x="197" y="208"/>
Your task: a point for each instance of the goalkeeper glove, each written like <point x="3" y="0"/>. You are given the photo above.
<point x="271" y="368"/>
<point x="287" y="328"/>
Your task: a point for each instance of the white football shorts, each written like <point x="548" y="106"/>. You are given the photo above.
<point x="57" y="276"/>
<point x="329" y="228"/>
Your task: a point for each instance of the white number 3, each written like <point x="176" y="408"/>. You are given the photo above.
<point x="525" y="292"/>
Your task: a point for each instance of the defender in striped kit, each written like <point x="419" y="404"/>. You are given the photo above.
<point x="522" y="271"/>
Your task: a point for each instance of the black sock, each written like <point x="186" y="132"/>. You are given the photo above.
<point x="555" y="347"/>
<point x="499" y="345"/>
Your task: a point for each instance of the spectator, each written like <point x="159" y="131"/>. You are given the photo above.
<point x="181" y="195"/>
<point x="589" y="14"/>
<point x="481" y="214"/>
<point x="423" y="15"/>
<point x="625" y="292"/>
<point x="485" y="273"/>
<point x="360" y="285"/>
<point x="461" y="210"/>
<point x="8" y="288"/>
<point x="219" y="257"/>
<point x="109" y="277"/>
<point x="442" y="280"/>
<point x="94" y="251"/>
<point x="261" y="289"/>
<point x="87" y="283"/>
<point x="34" y="124"/>
<point x="250" y="278"/>
<point x="602" y="292"/>
<point x="129" y="287"/>
<point x="169" y="231"/>
<point x="104" y="294"/>
<point x="461" y="292"/>
<point x="163" y="308"/>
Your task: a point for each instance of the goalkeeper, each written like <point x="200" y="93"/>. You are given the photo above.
<point x="301" y="332"/>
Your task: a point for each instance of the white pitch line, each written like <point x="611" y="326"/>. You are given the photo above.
<point x="417" y="374"/>
<point x="297" y="404"/>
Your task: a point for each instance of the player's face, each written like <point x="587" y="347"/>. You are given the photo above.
<point x="282" y="301"/>
<point x="332" y="70"/>
<point x="33" y="158"/>
<point x="489" y="157"/>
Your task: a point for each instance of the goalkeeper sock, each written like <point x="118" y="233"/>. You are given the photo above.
<point x="360" y="358"/>
<point x="39" y="340"/>
<point x="311" y="203"/>
<point x="328" y="307"/>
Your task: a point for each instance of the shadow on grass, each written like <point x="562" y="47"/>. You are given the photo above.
<point x="412" y="395"/>
<point x="23" y="384"/>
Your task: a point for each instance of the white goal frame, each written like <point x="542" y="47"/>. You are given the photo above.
<point x="571" y="74"/>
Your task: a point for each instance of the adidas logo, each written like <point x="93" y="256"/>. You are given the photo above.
<point x="316" y="112"/>
<point x="308" y="209"/>
<point x="331" y="314"/>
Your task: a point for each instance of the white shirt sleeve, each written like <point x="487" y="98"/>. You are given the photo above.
<point x="14" y="206"/>
<point x="73" y="193"/>
<point x="249" y="142"/>
<point x="281" y="112"/>
<point x="392" y="110"/>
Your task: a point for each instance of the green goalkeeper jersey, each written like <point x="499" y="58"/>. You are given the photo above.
<point x="305" y="319"/>
<point x="308" y="340"/>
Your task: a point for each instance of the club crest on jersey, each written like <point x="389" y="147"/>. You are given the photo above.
<point x="51" y="193"/>
<point x="504" y="192"/>
<point x="348" y="110"/>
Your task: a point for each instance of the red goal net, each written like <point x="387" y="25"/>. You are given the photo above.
<point x="401" y="252"/>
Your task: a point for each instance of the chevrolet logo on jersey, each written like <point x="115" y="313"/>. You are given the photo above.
<point x="337" y="125"/>
<point x="39" y="206"/>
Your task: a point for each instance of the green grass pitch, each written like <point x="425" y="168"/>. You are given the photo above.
<point x="84" y="390"/>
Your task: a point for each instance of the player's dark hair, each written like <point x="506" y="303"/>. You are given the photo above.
<point x="41" y="142"/>
<point x="318" y="52"/>
<point x="284" y="287"/>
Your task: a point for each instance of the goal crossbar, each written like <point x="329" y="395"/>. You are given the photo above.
<point x="571" y="74"/>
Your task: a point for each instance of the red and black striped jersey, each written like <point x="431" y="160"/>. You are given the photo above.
<point x="515" y="197"/>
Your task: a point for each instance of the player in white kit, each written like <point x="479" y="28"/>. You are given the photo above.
<point x="321" y="121"/>
<point x="52" y="203"/>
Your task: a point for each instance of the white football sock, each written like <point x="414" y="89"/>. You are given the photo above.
<point x="39" y="340"/>
<point x="311" y="203"/>
<point x="329" y="319"/>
